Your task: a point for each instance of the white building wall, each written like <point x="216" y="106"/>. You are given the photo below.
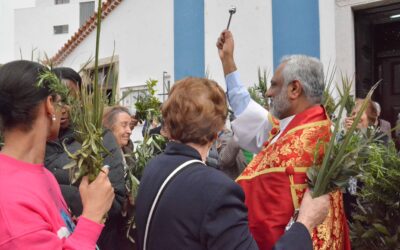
<point x="143" y="35"/>
<point x="41" y="3"/>
<point x="252" y="30"/>
<point x="344" y="38"/>
<point x="145" y="47"/>
<point x="34" y="29"/>
<point x="7" y="27"/>
<point x="327" y="24"/>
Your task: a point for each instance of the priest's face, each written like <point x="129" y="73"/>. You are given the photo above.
<point x="278" y="95"/>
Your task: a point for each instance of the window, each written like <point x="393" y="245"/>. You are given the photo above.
<point x="86" y="10"/>
<point x="60" y="29"/>
<point x="131" y="94"/>
<point x="107" y="76"/>
<point x="61" y="1"/>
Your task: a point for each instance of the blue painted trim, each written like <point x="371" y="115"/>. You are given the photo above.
<point x="295" y="27"/>
<point x="189" y="38"/>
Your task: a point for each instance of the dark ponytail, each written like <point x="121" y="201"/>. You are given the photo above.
<point x="19" y="94"/>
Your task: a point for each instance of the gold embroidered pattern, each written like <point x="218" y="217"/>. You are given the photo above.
<point x="293" y="153"/>
<point x="330" y="234"/>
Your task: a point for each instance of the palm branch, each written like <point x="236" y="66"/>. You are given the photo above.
<point x="87" y="113"/>
<point x="340" y="154"/>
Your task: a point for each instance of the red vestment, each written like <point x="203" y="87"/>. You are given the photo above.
<point x="275" y="181"/>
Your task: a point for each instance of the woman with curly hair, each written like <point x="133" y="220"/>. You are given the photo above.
<point x="184" y="204"/>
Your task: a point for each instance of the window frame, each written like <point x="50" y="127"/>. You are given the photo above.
<point x="58" y="2"/>
<point x="60" y="29"/>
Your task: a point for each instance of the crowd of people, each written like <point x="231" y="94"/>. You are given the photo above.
<point x="201" y="192"/>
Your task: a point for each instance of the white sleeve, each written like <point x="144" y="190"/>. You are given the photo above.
<point x="251" y="128"/>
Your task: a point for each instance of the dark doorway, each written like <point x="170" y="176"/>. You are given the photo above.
<point x="377" y="39"/>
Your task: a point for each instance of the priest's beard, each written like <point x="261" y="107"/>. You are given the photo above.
<point x="280" y="104"/>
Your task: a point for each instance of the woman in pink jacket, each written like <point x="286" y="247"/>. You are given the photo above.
<point x="33" y="213"/>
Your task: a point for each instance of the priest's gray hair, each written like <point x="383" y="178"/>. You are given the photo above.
<point x="309" y="72"/>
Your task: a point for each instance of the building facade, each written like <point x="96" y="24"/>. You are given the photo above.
<point x="171" y="39"/>
<point x="41" y="30"/>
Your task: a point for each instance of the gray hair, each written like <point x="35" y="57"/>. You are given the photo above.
<point x="308" y="71"/>
<point x="110" y="114"/>
<point x="378" y="107"/>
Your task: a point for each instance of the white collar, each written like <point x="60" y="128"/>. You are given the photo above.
<point x="282" y="126"/>
<point x="284" y="122"/>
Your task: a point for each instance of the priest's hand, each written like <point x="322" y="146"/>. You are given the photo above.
<point x="225" y="47"/>
<point x="313" y="211"/>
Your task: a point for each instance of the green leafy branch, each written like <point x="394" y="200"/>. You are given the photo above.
<point x="347" y="86"/>
<point x="47" y="79"/>
<point x="148" y="106"/>
<point x="333" y="173"/>
<point x="259" y="90"/>
<point x="147" y="109"/>
<point x="327" y="99"/>
<point x="376" y="218"/>
<point x="87" y="114"/>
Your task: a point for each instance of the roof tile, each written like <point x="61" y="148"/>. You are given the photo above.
<point x="107" y="7"/>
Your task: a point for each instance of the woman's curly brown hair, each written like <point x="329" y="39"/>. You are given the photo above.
<point x="195" y="111"/>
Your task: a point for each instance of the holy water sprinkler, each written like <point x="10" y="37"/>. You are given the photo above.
<point x="232" y="11"/>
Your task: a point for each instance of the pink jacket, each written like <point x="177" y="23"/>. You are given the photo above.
<point x="33" y="213"/>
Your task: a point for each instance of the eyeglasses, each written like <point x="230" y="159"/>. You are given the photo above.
<point x="60" y="103"/>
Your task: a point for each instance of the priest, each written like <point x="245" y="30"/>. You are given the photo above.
<point x="285" y="139"/>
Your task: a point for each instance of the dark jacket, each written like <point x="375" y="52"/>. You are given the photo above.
<point x="201" y="208"/>
<point x="385" y="127"/>
<point x="56" y="158"/>
<point x="226" y="155"/>
<point x="231" y="158"/>
<point x="296" y="238"/>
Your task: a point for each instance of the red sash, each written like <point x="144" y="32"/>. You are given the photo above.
<point x="275" y="181"/>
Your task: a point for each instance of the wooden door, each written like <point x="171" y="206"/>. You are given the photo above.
<point x="388" y="94"/>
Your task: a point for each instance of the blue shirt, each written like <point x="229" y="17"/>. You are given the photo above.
<point x="238" y="95"/>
